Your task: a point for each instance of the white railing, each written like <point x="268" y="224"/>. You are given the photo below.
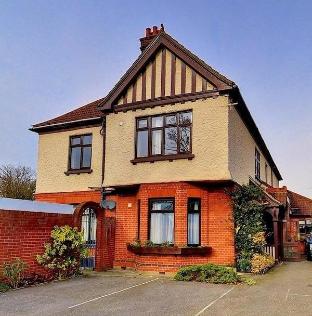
<point x="270" y="250"/>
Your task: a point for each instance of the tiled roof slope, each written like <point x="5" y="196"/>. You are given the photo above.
<point x="300" y="202"/>
<point x="88" y="111"/>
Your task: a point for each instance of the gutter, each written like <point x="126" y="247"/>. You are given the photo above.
<point x="37" y="128"/>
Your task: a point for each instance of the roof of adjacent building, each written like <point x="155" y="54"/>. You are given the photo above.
<point x="302" y="204"/>
<point x="84" y="113"/>
<point x="18" y="205"/>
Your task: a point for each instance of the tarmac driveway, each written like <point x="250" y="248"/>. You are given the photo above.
<point x="286" y="290"/>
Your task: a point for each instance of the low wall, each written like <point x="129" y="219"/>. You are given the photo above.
<point x="23" y="235"/>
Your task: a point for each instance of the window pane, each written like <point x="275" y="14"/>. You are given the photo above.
<point x="86" y="157"/>
<point x="87" y="140"/>
<point x="157" y="121"/>
<point x="171" y="136"/>
<point x="185" y="118"/>
<point x="161" y="229"/>
<point x="171" y="120"/>
<point x="156" y="142"/>
<point x="142" y="144"/>
<point x="75" y="140"/>
<point x="194" y="205"/>
<point x="193" y="229"/>
<point x="164" y="205"/>
<point x="142" y="123"/>
<point x="75" y="158"/>
<point x="185" y="139"/>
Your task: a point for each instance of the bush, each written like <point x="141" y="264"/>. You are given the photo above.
<point x="13" y="272"/>
<point x="3" y="287"/>
<point x="210" y="273"/>
<point x="243" y="262"/>
<point x="62" y="256"/>
<point x="261" y="263"/>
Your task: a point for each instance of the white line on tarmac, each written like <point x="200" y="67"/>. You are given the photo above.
<point x="287" y="294"/>
<point x="116" y="292"/>
<point x="295" y="294"/>
<point x="213" y="302"/>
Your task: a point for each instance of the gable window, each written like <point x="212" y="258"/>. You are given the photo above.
<point x="161" y="226"/>
<point x="164" y="135"/>
<point x="193" y="222"/>
<point x="257" y="164"/>
<point x="80" y="152"/>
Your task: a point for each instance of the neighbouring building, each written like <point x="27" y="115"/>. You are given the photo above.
<point x="161" y="151"/>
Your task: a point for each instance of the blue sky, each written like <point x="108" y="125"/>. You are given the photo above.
<point x="57" y="55"/>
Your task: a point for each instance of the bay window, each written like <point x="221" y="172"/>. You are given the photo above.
<point x="161" y="226"/>
<point x="193" y="222"/>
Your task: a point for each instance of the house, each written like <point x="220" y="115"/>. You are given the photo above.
<point x="161" y="151"/>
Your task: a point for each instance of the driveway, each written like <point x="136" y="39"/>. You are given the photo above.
<point x="286" y="290"/>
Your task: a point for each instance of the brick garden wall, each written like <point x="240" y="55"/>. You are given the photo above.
<point x="23" y="234"/>
<point x="216" y="225"/>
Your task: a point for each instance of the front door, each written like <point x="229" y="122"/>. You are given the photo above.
<point x="88" y="227"/>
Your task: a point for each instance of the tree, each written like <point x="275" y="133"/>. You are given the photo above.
<point x="17" y="182"/>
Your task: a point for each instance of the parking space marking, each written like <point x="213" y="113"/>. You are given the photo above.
<point x="287" y="294"/>
<point x="213" y="302"/>
<point x="113" y="293"/>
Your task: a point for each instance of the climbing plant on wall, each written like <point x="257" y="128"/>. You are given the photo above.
<point x="248" y="224"/>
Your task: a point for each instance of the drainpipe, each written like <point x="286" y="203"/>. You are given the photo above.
<point x="103" y="133"/>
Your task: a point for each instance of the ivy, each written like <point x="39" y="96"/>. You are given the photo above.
<point x="248" y="223"/>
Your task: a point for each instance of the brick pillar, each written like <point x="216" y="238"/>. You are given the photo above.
<point x="100" y="241"/>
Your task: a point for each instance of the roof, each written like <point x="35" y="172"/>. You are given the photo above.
<point x="302" y="204"/>
<point x="84" y="113"/>
<point x="165" y="40"/>
<point x="34" y="206"/>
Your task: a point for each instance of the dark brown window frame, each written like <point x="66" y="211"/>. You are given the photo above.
<point x="194" y="212"/>
<point x="257" y="164"/>
<point x="150" y="201"/>
<point x="162" y="156"/>
<point x="81" y="169"/>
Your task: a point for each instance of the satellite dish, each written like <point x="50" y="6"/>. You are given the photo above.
<point x="108" y="204"/>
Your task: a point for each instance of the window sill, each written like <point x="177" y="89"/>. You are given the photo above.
<point x="174" y="250"/>
<point x="162" y="158"/>
<point x="78" y="171"/>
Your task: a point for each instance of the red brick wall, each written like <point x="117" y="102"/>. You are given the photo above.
<point x="69" y="197"/>
<point x="23" y="234"/>
<point x="216" y="225"/>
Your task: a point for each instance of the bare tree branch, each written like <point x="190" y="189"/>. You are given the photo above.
<point x="17" y="182"/>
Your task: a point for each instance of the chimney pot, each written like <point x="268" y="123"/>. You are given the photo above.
<point x="148" y="32"/>
<point x="155" y="30"/>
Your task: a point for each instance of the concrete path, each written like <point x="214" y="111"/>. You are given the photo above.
<point x="286" y="290"/>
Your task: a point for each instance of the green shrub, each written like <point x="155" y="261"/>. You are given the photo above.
<point x="210" y="273"/>
<point x="243" y="262"/>
<point x="261" y="263"/>
<point x="3" y="287"/>
<point x="63" y="254"/>
<point x="13" y="272"/>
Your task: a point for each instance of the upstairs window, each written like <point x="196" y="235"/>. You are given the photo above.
<point x="266" y="173"/>
<point x="257" y="164"/>
<point x="164" y="135"/>
<point x="80" y="152"/>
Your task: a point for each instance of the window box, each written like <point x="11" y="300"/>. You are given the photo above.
<point x="174" y="250"/>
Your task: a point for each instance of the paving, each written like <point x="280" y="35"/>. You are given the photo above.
<point x="286" y="290"/>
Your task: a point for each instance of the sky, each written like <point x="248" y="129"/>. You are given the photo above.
<point x="58" y="55"/>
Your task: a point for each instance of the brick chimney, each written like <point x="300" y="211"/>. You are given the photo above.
<point x="150" y="34"/>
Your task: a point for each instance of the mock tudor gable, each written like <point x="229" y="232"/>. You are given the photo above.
<point x="165" y="72"/>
